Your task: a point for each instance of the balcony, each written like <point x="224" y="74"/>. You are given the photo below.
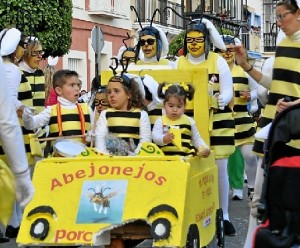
<point x="110" y="8"/>
<point x="269" y="42"/>
<point x="168" y="21"/>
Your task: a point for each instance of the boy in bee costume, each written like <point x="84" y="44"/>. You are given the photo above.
<point x="67" y="117"/>
<point x="197" y="54"/>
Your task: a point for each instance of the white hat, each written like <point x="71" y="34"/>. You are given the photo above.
<point x="152" y="86"/>
<point x="10" y="39"/>
<point x="214" y="34"/>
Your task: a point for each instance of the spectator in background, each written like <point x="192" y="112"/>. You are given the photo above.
<point x="49" y="70"/>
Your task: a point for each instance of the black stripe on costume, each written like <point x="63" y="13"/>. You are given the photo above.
<point x="240" y="108"/>
<point x="68" y="117"/>
<point x="136" y="115"/>
<point x="124" y="129"/>
<point x="25" y="131"/>
<point x="172" y="153"/>
<point x="286" y="75"/>
<point x="37" y="73"/>
<point x="155" y="112"/>
<point x="223" y="124"/>
<point x="187" y="144"/>
<point x="189" y="113"/>
<point x="264" y="121"/>
<point x="245" y="134"/>
<point x="66" y="133"/>
<point x="258" y="146"/>
<point x="185" y="136"/>
<point x="185" y="126"/>
<point x="221" y="141"/>
<point x="38" y="102"/>
<point x="38" y="87"/>
<point x="240" y="80"/>
<point x="24" y="95"/>
<point x="273" y="98"/>
<point x="243" y="120"/>
<point x="290" y="52"/>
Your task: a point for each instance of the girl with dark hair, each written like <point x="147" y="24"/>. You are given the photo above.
<point x="174" y="131"/>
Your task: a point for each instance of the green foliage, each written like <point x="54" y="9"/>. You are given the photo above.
<point x="49" y="20"/>
<point x="225" y="31"/>
<point x="176" y="43"/>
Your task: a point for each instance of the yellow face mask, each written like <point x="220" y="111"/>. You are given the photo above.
<point x="195" y="43"/>
<point x="228" y="54"/>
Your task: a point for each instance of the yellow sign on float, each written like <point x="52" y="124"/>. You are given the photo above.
<point x="92" y="198"/>
<point x="89" y="200"/>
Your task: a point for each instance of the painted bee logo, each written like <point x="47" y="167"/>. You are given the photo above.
<point x="100" y="201"/>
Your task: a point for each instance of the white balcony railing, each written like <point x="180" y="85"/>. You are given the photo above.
<point x="110" y="8"/>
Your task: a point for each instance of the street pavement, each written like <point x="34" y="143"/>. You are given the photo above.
<point x="238" y="213"/>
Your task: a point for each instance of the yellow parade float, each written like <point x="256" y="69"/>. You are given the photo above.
<point x="165" y="201"/>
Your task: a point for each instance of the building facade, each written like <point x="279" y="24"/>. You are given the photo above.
<point x="253" y="21"/>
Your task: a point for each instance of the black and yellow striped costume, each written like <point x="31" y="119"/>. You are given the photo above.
<point x="70" y="121"/>
<point x="285" y="82"/>
<point x="184" y="125"/>
<point x="37" y="83"/>
<point x="154" y="115"/>
<point x="244" y="124"/>
<point x="124" y="124"/>
<point x="222" y="133"/>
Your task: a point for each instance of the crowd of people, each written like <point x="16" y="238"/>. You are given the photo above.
<point x="117" y="117"/>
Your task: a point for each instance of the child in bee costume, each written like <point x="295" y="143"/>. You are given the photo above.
<point x="174" y="131"/>
<point x="197" y="54"/>
<point x="124" y="122"/>
<point x="67" y="117"/>
<point x="13" y="146"/>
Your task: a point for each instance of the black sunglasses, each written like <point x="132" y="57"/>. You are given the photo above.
<point x="102" y="102"/>
<point x="149" y="42"/>
<point x="197" y="39"/>
<point x="130" y="59"/>
<point x="37" y="53"/>
<point x="231" y="50"/>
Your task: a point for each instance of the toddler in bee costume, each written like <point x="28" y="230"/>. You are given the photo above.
<point x="174" y="130"/>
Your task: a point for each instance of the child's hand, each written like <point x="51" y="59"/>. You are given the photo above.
<point x="203" y="151"/>
<point x="168" y="138"/>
